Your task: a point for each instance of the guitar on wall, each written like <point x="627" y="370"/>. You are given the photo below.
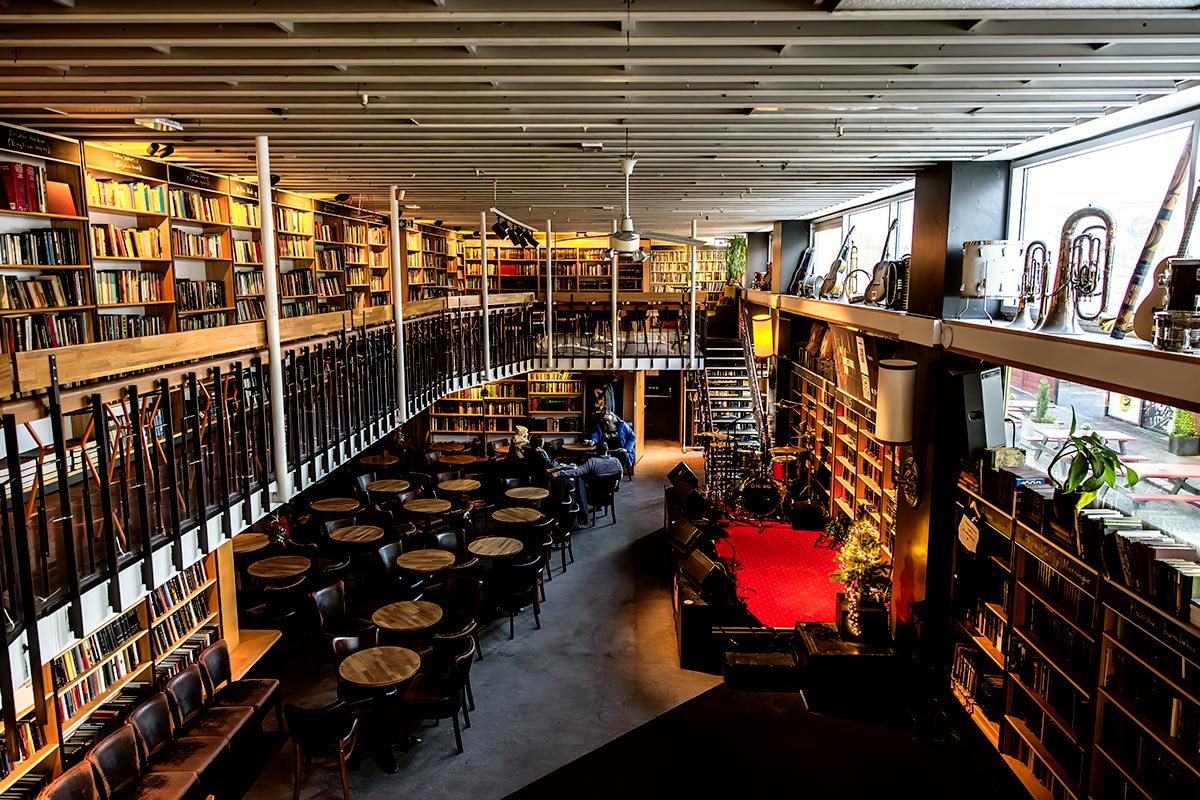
<point x="802" y="268"/>
<point x="831" y="286"/>
<point x="1156" y="298"/>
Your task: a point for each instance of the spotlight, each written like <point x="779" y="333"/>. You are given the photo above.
<point x="275" y="178"/>
<point x="531" y="240"/>
<point x="437" y="222"/>
<point x="500" y="229"/>
<point x="160" y="150"/>
<point x="341" y="198"/>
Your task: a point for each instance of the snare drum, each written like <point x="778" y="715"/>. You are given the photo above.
<point x="1176" y="331"/>
<point x="992" y="268"/>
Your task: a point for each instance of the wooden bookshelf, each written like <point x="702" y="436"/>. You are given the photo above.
<point x="492" y="410"/>
<point x="670" y="270"/>
<point x="202" y="248"/>
<point x="430" y="257"/>
<point x="295" y="250"/>
<point x="556" y="403"/>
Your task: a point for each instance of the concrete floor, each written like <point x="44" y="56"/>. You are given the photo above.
<point x="604" y="662"/>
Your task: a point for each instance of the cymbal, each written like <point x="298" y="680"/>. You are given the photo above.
<point x="790" y="449"/>
<point x="783" y="459"/>
<point x="716" y="437"/>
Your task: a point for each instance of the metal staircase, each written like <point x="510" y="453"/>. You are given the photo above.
<point x="730" y="385"/>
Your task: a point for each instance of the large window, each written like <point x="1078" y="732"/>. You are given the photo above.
<point x="870" y="225"/>
<point x="1128" y="178"/>
<point x="826" y="241"/>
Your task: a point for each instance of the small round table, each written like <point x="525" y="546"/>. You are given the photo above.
<point x="457" y="460"/>
<point x="516" y="515"/>
<point x="495" y="547"/>
<point x="529" y="494"/>
<point x="460" y="486"/>
<point x="379" y="460"/>
<point x="336" y="505"/>
<point x="249" y="542"/>
<point x="428" y="507"/>
<point x="449" y="447"/>
<point x="501" y="449"/>
<point x="278" y="568"/>
<point x="357" y="534"/>
<point x="427" y="560"/>
<point x="580" y="447"/>
<point x="408" y="616"/>
<point x="379" y="668"/>
<point x="388" y="486"/>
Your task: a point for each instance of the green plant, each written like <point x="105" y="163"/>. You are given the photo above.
<point x="1093" y="464"/>
<point x="1184" y="424"/>
<point x="862" y="570"/>
<point x="735" y="259"/>
<point x="836" y="530"/>
<point x="1041" y="410"/>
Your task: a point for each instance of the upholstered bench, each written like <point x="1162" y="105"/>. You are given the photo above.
<point x="194" y="718"/>
<point x="121" y="776"/>
<point x="162" y="750"/>
<point x="257" y="693"/>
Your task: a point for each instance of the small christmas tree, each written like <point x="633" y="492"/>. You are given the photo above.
<point x="861" y="569"/>
<point x="1041" y="410"/>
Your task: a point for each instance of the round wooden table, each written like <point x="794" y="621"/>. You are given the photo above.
<point x="457" y="460"/>
<point x="517" y="515"/>
<point x="357" y="534"/>
<point x="279" y="568"/>
<point x="428" y="507"/>
<point x="501" y="449"/>
<point x="528" y="493"/>
<point x="495" y="547"/>
<point x="379" y="460"/>
<point x="408" y="616"/>
<point x="449" y="447"/>
<point x="388" y="486"/>
<point x="336" y="505"/>
<point x="580" y="447"/>
<point x="250" y="542"/>
<point x="377" y="667"/>
<point x="427" y="560"/>
<point x="459" y="486"/>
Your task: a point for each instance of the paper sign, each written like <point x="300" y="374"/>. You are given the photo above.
<point x="968" y="533"/>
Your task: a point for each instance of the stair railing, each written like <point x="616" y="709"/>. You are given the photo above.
<point x="760" y="415"/>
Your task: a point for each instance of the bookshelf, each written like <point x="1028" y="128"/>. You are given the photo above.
<point x="494" y="409"/>
<point x="340" y="248"/>
<point x="296" y="253"/>
<point x="245" y="221"/>
<point x="45" y="280"/>
<point x="379" y="265"/>
<point x="430" y="259"/>
<point x="671" y="270"/>
<point x="202" y="248"/>
<point x="129" y="220"/>
<point x="556" y="403"/>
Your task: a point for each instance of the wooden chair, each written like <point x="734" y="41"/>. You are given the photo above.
<point x="322" y="737"/>
<point x="439" y="694"/>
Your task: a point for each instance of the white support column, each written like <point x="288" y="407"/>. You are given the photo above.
<point x="692" y="315"/>
<point x="266" y="218"/>
<point x="615" y="271"/>
<point x="487" y="335"/>
<point x="397" y="259"/>
<point x="549" y="295"/>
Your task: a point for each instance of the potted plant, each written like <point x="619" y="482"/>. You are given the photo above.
<point x="1183" y="440"/>
<point x="866" y="578"/>
<point x="735" y="260"/>
<point x="836" y="530"/>
<point x="1093" y="464"/>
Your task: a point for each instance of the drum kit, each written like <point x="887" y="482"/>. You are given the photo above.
<point x="749" y="485"/>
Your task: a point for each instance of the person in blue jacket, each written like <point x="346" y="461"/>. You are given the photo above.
<point x="616" y="433"/>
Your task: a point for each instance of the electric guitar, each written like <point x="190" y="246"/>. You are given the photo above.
<point x="1156" y="298"/>
<point x="801" y="270"/>
<point x="831" y="286"/>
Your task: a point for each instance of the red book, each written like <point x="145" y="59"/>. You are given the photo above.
<point x="8" y="185"/>
<point x="22" y="194"/>
<point x="32" y="193"/>
<point x="60" y="199"/>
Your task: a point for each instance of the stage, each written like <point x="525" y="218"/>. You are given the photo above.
<point x="781" y="577"/>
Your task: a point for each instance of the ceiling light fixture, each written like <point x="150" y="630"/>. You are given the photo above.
<point x="159" y="123"/>
<point x="160" y="150"/>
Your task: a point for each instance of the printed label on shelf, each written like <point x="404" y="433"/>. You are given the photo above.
<point x="968" y="533"/>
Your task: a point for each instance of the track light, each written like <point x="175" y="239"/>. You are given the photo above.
<point x="341" y="198"/>
<point x="160" y="150"/>
<point x="275" y="178"/>
<point x="500" y="229"/>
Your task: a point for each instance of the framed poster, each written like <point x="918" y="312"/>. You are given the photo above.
<point x="856" y="363"/>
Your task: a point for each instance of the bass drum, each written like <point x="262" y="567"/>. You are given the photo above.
<point x="759" y="496"/>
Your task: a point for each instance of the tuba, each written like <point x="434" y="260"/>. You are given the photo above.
<point x="1032" y="285"/>
<point x="1083" y="272"/>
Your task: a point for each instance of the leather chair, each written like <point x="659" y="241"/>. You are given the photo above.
<point x="193" y="718"/>
<point x="439" y="695"/>
<point x="328" y="733"/>
<point x="601" y="496"/>
<point x="258" y="693"/>
<point x="461" y="603"/>
<point x="517" y="586"/>
<point x="329" y="606"/>
<point x="162" y="751"/>
<point x="391" y="583"/>
<point x="77" y="783"/>
<point x="119" y="771"/>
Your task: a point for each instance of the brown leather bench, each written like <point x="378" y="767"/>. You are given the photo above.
<point x="122" y="775"/>
<point x="194" y="718"/>
<point x="163" y="750"/>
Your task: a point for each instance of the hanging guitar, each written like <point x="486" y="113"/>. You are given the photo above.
<point x="889" y="282"/>
<point x="1156" y="298"/>
<point x="801" y="273"/>
<point x="832" y="286"/>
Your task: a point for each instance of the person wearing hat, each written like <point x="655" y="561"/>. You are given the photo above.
<point x="616" y="435"/>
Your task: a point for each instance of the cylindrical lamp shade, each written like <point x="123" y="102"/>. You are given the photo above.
<point x="764" y="339"/>
<point x="894" y="401"/>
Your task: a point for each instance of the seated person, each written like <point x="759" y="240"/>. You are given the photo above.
<point x="538" y="460"/>
<point x="616" y="435"/>
<point x="599" y="465"/>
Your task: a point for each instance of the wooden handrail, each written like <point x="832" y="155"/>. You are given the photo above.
<point x="30" y="371"/>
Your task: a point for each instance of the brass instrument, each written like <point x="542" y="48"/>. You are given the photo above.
<point x="1032" y="285"/>
<point x="1084" y="269"/>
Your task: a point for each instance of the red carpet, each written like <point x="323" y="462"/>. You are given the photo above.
<point x="780" y="575"/>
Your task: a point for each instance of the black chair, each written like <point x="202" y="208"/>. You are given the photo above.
<point x="186" y="693"/>
<point x="449" y="646"/>
<point x="601" y="495"/>
<point x="517" y="586"/>
<point x="453" y="541"/>
<point x="439" y="694"/>
<point x="217" y="672"/>
<point x="461" y="599"/>
<point x="328" y="733"/>
<point x="278" y="605"/>
<point x="329" y="606"/>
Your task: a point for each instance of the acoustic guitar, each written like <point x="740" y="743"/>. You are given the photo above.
<point x="1156" y="298"/>
<point x="886" y="279"/>
<point x="831" y="286"/>
<point x="802" y="268"/>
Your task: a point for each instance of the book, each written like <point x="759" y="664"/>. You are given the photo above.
<point x="60" y="199"/>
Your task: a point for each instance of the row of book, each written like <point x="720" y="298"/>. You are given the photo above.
<point x="1043" y="679"/>
<point x="251" y="309"/>
<point x="23" y="187"/>
<point x="357" y="276"/>
<point x="537" y="403"/>
<point x="199" y="295"/>
<point x="196" y="245"/>
<point x="300" y="308"/>
<point x="355" y="234"/>
<point x="85" y="691"/>
<point x="244" y="214"/>
<point x="129" y="286"/>
<point x="1050" y="738"/>
<point x="712" y="259"/>
<point x="127" y="195"/>
<point x="42" y="247"/>
<point x="250" y="282"/>
<point x="294" y="248"/>
<point x="247" y="251"/>
<point x="377" y="258"/>
<point x="43" y="291"/>
<point x="41" y="331"/>
<point x="1151" y="564"/>
<point x="30" y="739"/>
<point x="355" y="254"/>
<point x="1158" y="770"/>
<point x="296" y="283"/>
<point x="1069" y="599"/>
<point x="196" y="206"/>
<point x="434" y="261"/>
<point x="1169" y="709"/>
<point x="989" y="624"/>
<point x="172" y="592"/>
<point x="977" y="681"/>
<point x="185" y="655"/>
<point x="289" y="220"/>
<point x="330" y="259"/>
<point x="328" y="232"/>
<point x="179" y="623"/>
<point x="554" y="387"/>
<point x="109" y="241"/>
<point x="376" y="236"/>
<point x="199" y="322"/>
<point x="94" y="649"/>
<point x="378" y="283"/>
<point x="561" y="425"/>
<point x="27" y="787"/>
<point x="130" y="326"/>
<point x="103" y="721"/>
<point x="1043" y="624"/>
<point x="360" y="299"/>
<point x="329" y="287"/>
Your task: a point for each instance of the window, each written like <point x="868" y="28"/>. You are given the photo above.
<point x="1127" y="178"/>
<point x="870" y="227"/>
<point x="827" y="240"/>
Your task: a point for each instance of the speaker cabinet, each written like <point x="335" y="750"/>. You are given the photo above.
<point x="982" y="412"/>
<point x="685" y="537"/>
<point x="708" y="578"/>
<point x="682" y="472"/>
